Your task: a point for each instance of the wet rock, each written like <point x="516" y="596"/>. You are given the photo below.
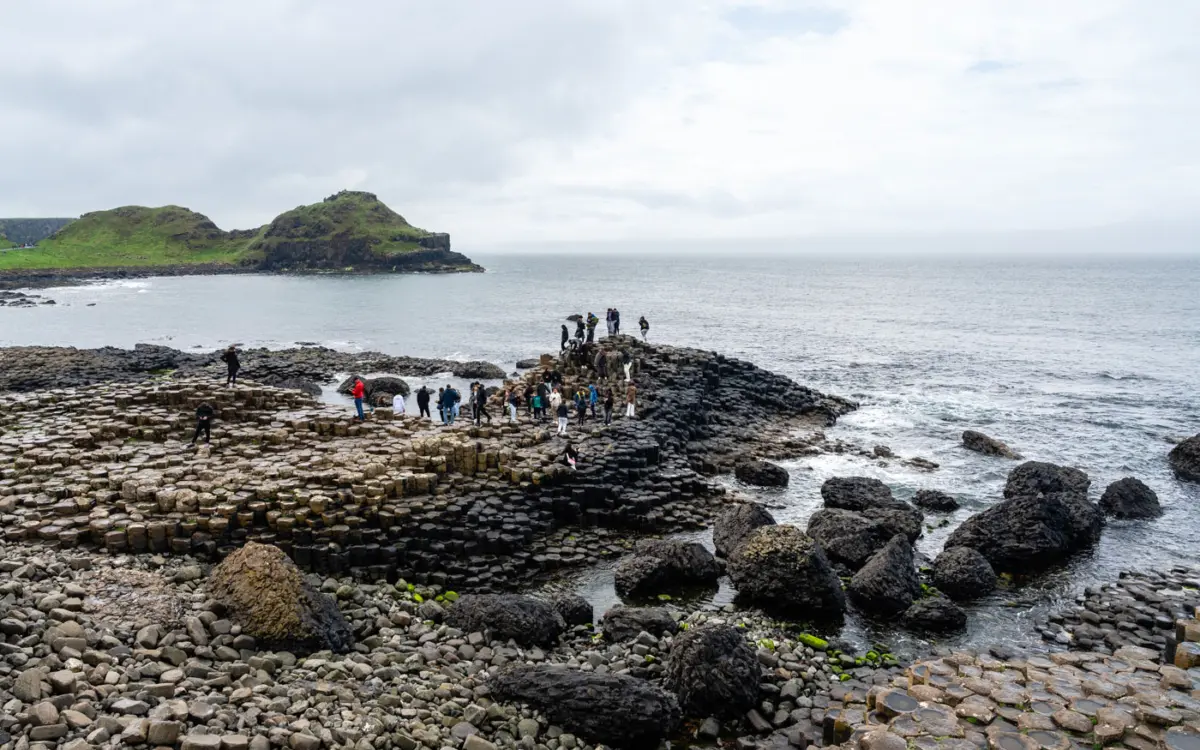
<point x="613" y="709"/>
<point x="623" y="623"/>
<point x="782" y="569"/>
<point x="761" y="474"/>
<point x="988" y="446"/>
<point x="298" y="384"/>
<point x="657" y="566"/>
<point x="1046" y="517"/>
<point x="936" y="501"/>
<point x="936" y="614"/>
<point x="735" y="525"/>
<point x="524" y="619"/>
<point x="848" y="538"/>
<point x="574" y="609"/>
<point x="888" y="583"/>
<point x="266" y="594"/>
<point x="856" y="493"/>
<point x="962" y="573"/>
<point x="714" y="672"/>
<point x="1130" y="498"/>
<point x="1185" y="459"/>
<point x="374" y="388"/>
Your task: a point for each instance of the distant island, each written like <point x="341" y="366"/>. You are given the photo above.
<point x="349" y="232"/>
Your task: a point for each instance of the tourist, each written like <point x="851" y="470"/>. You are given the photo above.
<point x="564" y="416"/>
<point x="592" y="322"/>
<point x="441" y="403"/>
<point x="481" y="402"/>
<point x="601" y="365"/>
<point x="398" y="403"/>
<point x="359" y="391"/>
<point x="570" y="455"/>
<point x="616" y="322"/>
<point x="450" y="397"/>
<point x="565" y="337"/>
<point x="608" y="406"/>
<point x="627" y="360"/>
<point x="423" y="402"/>
<point x="230" y="358"/>
<point x="527" y="396"/>
<point x="555" y="400"/>
<point x="608" y="321"/>
<point x="579" y="328"/>
<point x="581" y="405"/>
<point x="630" y="399"/>
<point x="542" y="394"/>
<point x="514" y="400"/>
<point x="593" y="398"/>
<point x="204" y="415"/>
<point x="644" y="325"/>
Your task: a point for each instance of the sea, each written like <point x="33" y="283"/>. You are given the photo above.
<point x="1089" y="362"/>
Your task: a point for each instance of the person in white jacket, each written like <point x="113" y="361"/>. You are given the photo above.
<point x="398" y="403"/>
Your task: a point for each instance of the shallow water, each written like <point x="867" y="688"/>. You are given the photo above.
<point x="1092" y="363"/>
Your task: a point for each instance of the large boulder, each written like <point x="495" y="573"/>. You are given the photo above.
<point x="266" y="594"/>
<point x="574" y="609"/>
<point x="297" y="384"/>
<point x="888" y="583"/>
<point x="935" y="500"/>
<point x="528" y="621"/>
<point x="848" y="538"/>
<point x="988" y="446"/>
<point x="900" y="518"/>
<point x="658" y="565"/>
<point x="734" y="526"/>
<point x="375" y="387"/>
<point x="1130" y="498"/>
<point x="856" y="493"/>
<point x="761" y="474"/>
<point x="612" y="709"/>
<point x="1046" y="517"/>
<point x="714" y="672"/>
<point x="1185" y="459"/>
<point x="623" y="623"/>
<point x="935" y="614"/>
<point x="962" y="573"/>
<point x="782" y="569"/>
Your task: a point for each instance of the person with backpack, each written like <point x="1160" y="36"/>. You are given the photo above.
<point x="581" y="405"/>
<point x="230" y="358"/>
<point x="592" y="322"/>
<point x="204" y="415"/>
<point x="593" y="398"/>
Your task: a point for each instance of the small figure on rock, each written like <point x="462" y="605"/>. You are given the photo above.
<point x="398" y="403"/>
<point x="204" y="415"/>
<point x="608" y="406"/>
<point x="592" y="322"/>
<point x="630" y="399"/>
<point x="441" y="404"/>
<point x="601" y="365"/>
<point x="541" y="401"/>
<point x="230" y="358"/>
<point x="565" y="337"/>
<point x="608" y="320"/>
<point x="581" y="405"/>
<point x="527" y="397"/>
<point x="593" y="398"/>
<point x="580" y="325"/>
<point x="644" y="325"/>
<point x="479" y="404"/>
<point x="570" y="455"/>
<point x="564" y="416"/>
<point x="423" y="402"/>
<point x="513" y="402"/>
<point x="616" y="322"/>
<point x="359" y="391"/>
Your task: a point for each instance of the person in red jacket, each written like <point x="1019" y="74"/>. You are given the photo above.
<point x="359" y="391"/>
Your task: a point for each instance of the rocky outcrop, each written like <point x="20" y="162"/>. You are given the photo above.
<point x="1130" y="498"/>
<point x="848" y="538"/>
<point x="574" y="609"/>
<point x="734" y="526"/>
<point x="526" y="620"/>
<point x="299" y="384"/>
<point x="1046" y="517"/>
<point x="623" y="623"/>
<point x="375" y="388"/>
<point x="267" y="596"/>
<point x="859" y="518"/>
<point x="988" y="446"/>
<point x="962" y="573"/>
<point x="935" y="614"/>
<point x="936" y="501"/>
<point x="888" y="583"/>
<point x="1185" y="459"/>
<point x="613" y="709"/>
<point x="660" y="566"/>
<point x="761" y="474"/>
<point x="714" y="672"/>
<point x="856" y="493"/>
<point x="781" y="569"/>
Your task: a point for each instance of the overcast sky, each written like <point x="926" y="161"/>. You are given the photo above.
<point x="610" y="119"/>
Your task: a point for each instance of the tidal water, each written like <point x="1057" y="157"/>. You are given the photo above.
<point x="1091" y="363"/>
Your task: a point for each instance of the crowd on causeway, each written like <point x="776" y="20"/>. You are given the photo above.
<point x="394" y="581"/>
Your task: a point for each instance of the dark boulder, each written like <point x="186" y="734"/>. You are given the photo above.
<point x="657" y="566"/>
<point x="297" y="384"/>
<point x="528" y="364"/>
<point x="612" y="709"/>
<point x="477" y="370"/>
<point x="386" y="385"/>
<point x="782" y="569"/>
<point x="1130" y="498"/>
<point x="888" y="583"/>
<point x="714" y="672"/>
<point x="900" y="518"/>
<point x="623" y="623"/>
<point x="848" y="538"/>
<point x="935" y="614"/>
<point x="962" y="573"/>
<point x="266" y="594"/>
<point x="988" y="446"/>
<point x="1046" y="517"/>
<point x="574" y="609"/>
<point x="936" y="501"/>
<point x="1185" y="459"/>
<point x="735" y="525"/>
<point x="761" y="474"/>
<point x="856" y="493"/>
<point x="528" y="621"/>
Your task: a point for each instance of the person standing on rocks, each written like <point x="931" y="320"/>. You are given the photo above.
<point x="627" y="363"/>
<point x="423" y="402"/>
<point x="601" y="365"/>
<point x="450" y="397"/>
<point x="579" y="329"/>
<point x="555" y="400"/>
<point x="608" y="406"/>
<point x="570" y="455"/>
<point x="527" y="397"/>
<point x="230" y="358"/>
<point x="359" y="391"/>
<point x="398" y="403"/>
<point x="608" y="321"/>
<point x="616" y="322"/>
<point x="630" y="399"/>
<point x="592" y="322"/>
<point x="204" y="415"/>
<point x="581" y="405"/>
<point x="564" y="416"/>
<point x="565" y="337"/>
<point x="441" y="404"/>
<point x="644" y="325"/>
<point x="593" y="398"/>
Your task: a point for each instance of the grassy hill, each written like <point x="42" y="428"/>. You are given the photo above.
<point x="346" y="231"/>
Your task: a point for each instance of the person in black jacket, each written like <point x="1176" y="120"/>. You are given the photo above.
<point x="423" y="402"/>
<point x="230" y="358"/>
<point x="565" y="337"/>
<point x="204" y="415"/>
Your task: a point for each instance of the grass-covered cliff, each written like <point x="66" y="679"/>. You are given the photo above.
<point x="349" y="231"/>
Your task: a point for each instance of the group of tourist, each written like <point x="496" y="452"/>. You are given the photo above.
<point x="585" y="328"/>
